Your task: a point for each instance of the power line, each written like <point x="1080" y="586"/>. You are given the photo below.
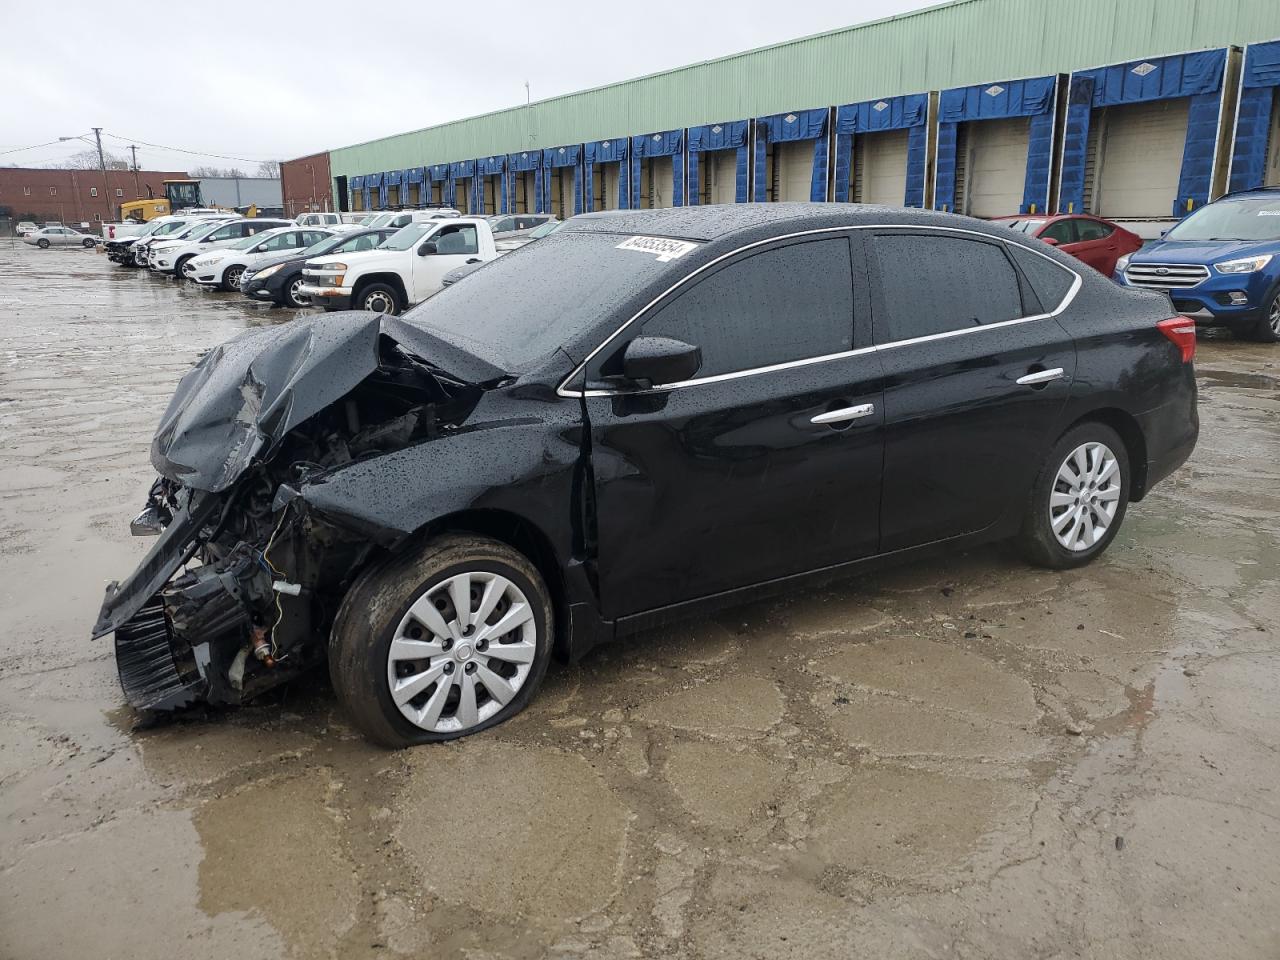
<point x="194" y="153"/>
<point x="37" y="145"/>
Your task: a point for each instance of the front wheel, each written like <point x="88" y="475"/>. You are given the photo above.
<point x="293" y="293"/>
<point x="87" y="244"/>
<point x="1078" y="501"/>
<point x="443" y="642"/>
<point x="380" y="298"/>
<point x="1267" y="328"/>
<point x="231" y="278"/>
<point x="42" y="243"/>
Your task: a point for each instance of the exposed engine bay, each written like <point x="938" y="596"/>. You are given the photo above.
<point x="239" y="591"/>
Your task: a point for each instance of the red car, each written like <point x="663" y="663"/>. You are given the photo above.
<point x="1099" y="243"/>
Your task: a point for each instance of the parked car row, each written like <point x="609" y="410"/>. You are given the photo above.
<point x="386" y="263"/>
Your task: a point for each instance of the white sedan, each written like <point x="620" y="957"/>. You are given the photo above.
<point x="222" y="267"/>
<point x="47" y="237"/>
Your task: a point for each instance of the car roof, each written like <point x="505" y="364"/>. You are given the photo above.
<point x="1254" y="193"/>
<point x="710" y="223"/>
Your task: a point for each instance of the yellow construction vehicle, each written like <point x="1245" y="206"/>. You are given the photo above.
<point x="178" y="195"/>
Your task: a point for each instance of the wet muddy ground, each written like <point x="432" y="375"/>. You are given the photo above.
<point x="962" y="758"/>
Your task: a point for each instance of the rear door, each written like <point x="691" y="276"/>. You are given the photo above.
<point x="726" y="480"/>
<point x="973" y="384"/>
<point x="1096" y="244"/>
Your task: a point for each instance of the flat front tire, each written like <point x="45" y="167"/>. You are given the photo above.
<point x="440" y="643"/>
<point x="380" y="298"/>
<point x="1078" y="500"/>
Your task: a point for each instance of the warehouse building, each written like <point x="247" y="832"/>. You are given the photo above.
<point x="1139" y="110"/>
<point x="45" y="194"/>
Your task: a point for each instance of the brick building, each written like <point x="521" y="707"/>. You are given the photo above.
<point x="306" y="185"/>
<point x="76" y="196"/>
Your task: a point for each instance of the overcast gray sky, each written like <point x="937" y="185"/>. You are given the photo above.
<point x="275" y="80"/>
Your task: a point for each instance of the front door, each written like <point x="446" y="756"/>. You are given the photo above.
<point x="767" y="462"/>
<point x="972" y="385"/>
<point x="455" y="245"/>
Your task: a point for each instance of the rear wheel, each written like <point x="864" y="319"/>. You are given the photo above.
<point x="1079" y="499"/>
<point x="231" y="278"/>
<point x="445" y="642"/>
<point x="380" y="298"/>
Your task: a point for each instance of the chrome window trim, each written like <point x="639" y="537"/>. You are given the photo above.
<point x="564" y="391"/>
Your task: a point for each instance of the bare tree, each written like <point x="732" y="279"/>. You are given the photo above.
<point x="88" y="160"/>
<point x="198" y="172"/>
<point x="269" y="168"/>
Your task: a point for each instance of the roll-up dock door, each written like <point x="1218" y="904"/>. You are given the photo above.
<point x="880" y="168"/>
<point x="791" y="154"/>
<point x="1272" y="176"/>
<point x="1139" y="159"/>
<point x="522" y="181"/>
<point x="657" y="168"/>
<point x="392" y="180"/>
<point x="357" y="194"/>
<point x="995" y="168"/>
<point x="605" y="167"/>
<point x="1141" y="139"/>
<point x="995" y="147"/>
<point x="562" y="179"/>
<point x="882" y="151"/>
<point x="718" y="163"/>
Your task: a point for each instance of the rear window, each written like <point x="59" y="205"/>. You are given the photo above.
<point x="528" y="303"/>
<point x="931" y="284"/>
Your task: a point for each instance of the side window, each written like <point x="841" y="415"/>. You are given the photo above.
<point x="1050" y="280"/>
<point x="460" y="239"/>
<point x="1092" y="230"/>
<point x="789" y="303"/>
<point x="308" y="237"/>
<point x="1063" y="231"/>
<point x="360" y="243"/>
<point x="283" y="241"/>
<point x="933" y="284"/>
<point x="225" y="233"/>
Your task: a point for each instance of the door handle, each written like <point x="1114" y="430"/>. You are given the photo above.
<point x="845" y="413"/>
<point x="1041" y="377"/>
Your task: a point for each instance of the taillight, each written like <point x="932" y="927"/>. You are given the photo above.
<point x="1181" y="331"/>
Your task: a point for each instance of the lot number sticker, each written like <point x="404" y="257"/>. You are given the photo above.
<point x="664" y="249"/>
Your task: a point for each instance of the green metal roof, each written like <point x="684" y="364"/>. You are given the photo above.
<point x="953" y="44"/>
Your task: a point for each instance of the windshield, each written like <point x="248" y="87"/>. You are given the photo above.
<point x="520" y="307"/>
<point x="173" y="226"/>
<point x="1024" y="224"/>
<point x="321" y="247"/>
<point x="407" y="236"/>
<point x="1257" y="219"/>
<point x="380" y="220"/>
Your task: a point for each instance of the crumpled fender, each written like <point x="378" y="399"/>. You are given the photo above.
<point x="387" y="498"/>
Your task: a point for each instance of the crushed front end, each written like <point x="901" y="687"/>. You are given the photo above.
<point x="240" y="588"/>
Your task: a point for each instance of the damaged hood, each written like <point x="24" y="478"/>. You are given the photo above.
<point x="245" y="395"/>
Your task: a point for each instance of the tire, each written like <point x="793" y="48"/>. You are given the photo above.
<point x="231" y="278"/>
<point x="87" y="244"/>
<point x="376" y="612"/>
<point x="1037" y="539"/>
<point x="1267" y="327"/>
<point x="42" y="243"/>
<point x="380" y="298"/>
<point x="178" y="265"/>
<point x="290" y="296"/>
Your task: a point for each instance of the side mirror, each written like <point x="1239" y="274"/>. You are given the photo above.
<point x="428" y="247"/>
<point x="653" y="361"/>
<point x="1050" y="241"/>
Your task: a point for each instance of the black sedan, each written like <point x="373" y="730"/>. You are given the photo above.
<point x="645" y="415"/>
<point x="279" y="278"/>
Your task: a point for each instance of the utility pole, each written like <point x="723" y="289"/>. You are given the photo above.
<point x="106" y="184"/>
<point x="137" y="187"/>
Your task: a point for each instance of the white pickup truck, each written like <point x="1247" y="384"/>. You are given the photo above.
<point x="406" y="269"/>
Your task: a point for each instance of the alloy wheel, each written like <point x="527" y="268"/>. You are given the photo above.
<point x="1273" y="318"/>
<point x="1085" y="495"/>
<point x="462" y="652"/>
<point x="294" y="294"/>
<point x="233" y="277"/>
